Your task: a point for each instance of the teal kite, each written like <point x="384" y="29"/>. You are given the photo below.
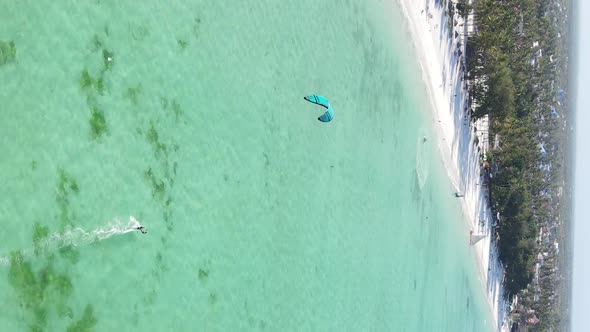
<point x="322" y="101"/>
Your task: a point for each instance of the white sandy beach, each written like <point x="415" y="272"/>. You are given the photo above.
<point x="436" y="48"/>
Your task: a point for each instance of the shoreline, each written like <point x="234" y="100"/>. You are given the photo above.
<point x="460" y="141"/>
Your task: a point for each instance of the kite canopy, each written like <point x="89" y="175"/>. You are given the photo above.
<point x="322" y="101"/>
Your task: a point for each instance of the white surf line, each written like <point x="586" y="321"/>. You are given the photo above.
<point x="436" y="50"/>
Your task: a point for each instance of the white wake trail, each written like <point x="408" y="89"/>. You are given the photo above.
<point x="76" y="237"/>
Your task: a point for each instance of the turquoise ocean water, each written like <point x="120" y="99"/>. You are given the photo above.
<point x="259" y="217"/>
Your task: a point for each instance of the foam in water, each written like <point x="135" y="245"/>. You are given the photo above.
<point x="422" y="158"/>
<point x="77" y="236"/>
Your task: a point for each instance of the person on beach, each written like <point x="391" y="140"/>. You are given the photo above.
<point x="141" y="229"/>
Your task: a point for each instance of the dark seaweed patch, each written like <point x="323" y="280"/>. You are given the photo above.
<point x="66" y="185"/>
<point x="153" y="138"/>
<point x="176" y="109"/>
<point x="96" y="43"/>
<point x="107" y="59"/>
<point x="98" y="123"/>
<point x="132" y="93"/>
<point x="7" y="52"/>
<point x="158" y="186"/>
<point x="196" y="26"/>
<point x="70" y="253"/>
<point x="38" y="293"/>
<point x="203" y="274"/>
<point x="86" y="81"/>
<point x="212" y="298"/>
<point x="40" y="232"/>
<point x="182" y="43"/>
<point x="86" y="322"/>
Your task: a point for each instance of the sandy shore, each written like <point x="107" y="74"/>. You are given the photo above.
<point x="437" y="50"/>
